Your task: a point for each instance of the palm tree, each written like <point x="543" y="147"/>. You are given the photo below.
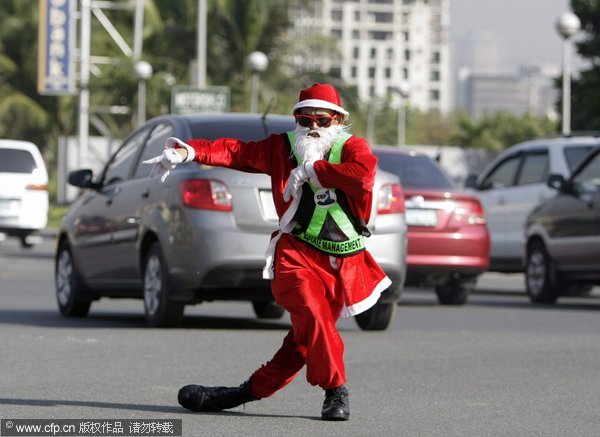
<point x="22" y="114"/>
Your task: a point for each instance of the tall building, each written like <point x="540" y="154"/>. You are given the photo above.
<point x="383" y="45"/>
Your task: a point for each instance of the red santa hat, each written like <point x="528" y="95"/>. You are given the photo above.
<point x="320" y="96"/>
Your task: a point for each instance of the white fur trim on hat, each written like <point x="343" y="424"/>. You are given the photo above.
<point x="316" y="103"/>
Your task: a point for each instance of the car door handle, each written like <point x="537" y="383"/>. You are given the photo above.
<point x="112" y="195"/>
<point x="146" y="193"/>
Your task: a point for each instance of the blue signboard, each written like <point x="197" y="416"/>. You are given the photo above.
<point x="56" y="66"/>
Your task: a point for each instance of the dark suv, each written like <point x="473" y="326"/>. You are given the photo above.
<point x="563" y="235"/>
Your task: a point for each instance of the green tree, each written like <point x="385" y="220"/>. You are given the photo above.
<point x="585" y="91"/>
<point x="23" y="114"/>
<point x="500" y="130"/>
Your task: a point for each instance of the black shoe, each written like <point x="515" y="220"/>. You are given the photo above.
<point x="336" y="405"/>
<point x="200" y="398"/>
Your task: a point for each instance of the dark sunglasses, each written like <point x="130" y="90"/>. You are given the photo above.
<point x="308" y="120"/>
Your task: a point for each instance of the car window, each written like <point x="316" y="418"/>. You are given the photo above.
<point x="415" y="171"/>
<point x="534" y="169"/>
<point x="588" y="179"/>
<point x="245" y="130"/>
<point x="120" y="165"/>
<point x="16" y="161"/>
<point x="154" y="147"/>
<point x="503" y="175"/>
<point x="575" y="154"/>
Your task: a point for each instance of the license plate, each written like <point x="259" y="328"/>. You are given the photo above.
<point x="268" y="207"/>
<point x="7" y="205"/>
<point x="421" y="217"/>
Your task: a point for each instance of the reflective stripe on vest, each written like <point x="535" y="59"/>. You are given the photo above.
<point x="354" y="241"/>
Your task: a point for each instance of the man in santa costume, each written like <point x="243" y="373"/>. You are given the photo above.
<point x="322" y="180"/>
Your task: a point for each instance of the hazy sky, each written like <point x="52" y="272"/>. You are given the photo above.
<point x="523" y="29"/>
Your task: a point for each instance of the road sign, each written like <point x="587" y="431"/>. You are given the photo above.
<point x="192" y="100"/>
<point x="56" y="34"/>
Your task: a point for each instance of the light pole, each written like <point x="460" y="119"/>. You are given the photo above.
<point x="143" y="71"/>
<point x="258" y="62"/>
<point x="403" y="90"/>
<point x="567" y="25"/>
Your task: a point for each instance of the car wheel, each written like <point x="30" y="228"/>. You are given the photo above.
<point x="70" y="290"/>
<point x="267" y="310"/>
<point x="539" y="275"/>
<point x="25" y="243"/>
<point x="376" y="318"/>
<point x="159" y="310"/>
<point x="455" y="291"/>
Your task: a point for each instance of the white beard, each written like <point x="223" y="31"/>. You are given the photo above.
<point x="309" y="148"/>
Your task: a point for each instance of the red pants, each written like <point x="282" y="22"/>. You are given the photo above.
<point x="307" y="286"/>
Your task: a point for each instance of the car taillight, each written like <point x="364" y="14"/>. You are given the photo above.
<point x="205" y="194"/>
<point x="473" y="215"/>
<point x="37" y="187"/>
<point x="390" y="199"/>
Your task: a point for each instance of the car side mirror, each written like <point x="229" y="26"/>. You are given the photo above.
<point x="471" y="181"/>
<point x="557" y="182"/>
<point x="82" y="178"/>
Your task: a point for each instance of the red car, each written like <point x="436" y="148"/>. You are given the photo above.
<point x="448" y="240"/>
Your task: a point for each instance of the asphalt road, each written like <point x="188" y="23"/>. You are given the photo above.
<point x="497" y="366"/>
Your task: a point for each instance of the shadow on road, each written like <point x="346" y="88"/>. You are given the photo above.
<point x="501" y="299"/>
<point x="52" y="319"/>
<point x="138" y="407"/>
<point x="91" y="404"/>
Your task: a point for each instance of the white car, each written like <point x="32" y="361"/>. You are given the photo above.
<point x="514" y="183"/>
<point x="23" y="190"/>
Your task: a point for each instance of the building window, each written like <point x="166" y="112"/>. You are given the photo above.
<point x="371" y="72"/>
<point x="406" y="36"/>
<point x="356" y="15"/>
<point x="434" y="95"/>
<point x="355" y="34"/>
<point x="435" y="76"/>
<point x="383" y="17"/>
<point x="353" y="72"/>
<point x="405" y="73"/>
<point x="335" y="72"/>
<point x="407" y="55"/>
<point x="336" y="15"/>
<point x="435" y="57"/>
<point x="373" y="52"/>
<point x="379" y="36"/>
<point x="356" y="52"/>
<point x="388" y="72"/>
<point x="336" y="33"/>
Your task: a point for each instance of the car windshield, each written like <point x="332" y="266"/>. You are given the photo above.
<point x="415" y="171"/>
<point x="16" y="161"/>
<point x="575" y="154"/>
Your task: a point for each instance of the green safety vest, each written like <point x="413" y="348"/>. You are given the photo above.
<point x="325" y="209"/>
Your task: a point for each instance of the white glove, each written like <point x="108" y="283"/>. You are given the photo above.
<point x="298" y="176"/>
<point x="169" y="158"/>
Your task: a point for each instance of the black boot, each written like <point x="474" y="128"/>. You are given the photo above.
<point x="336" y="405"/>
<point x="200" y="398"/>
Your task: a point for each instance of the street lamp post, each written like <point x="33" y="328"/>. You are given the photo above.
<point x="403" y="90"/>
<point x="567" y="25"/>
<point x="258" y="62"/>
<point x="143" y="71"/>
